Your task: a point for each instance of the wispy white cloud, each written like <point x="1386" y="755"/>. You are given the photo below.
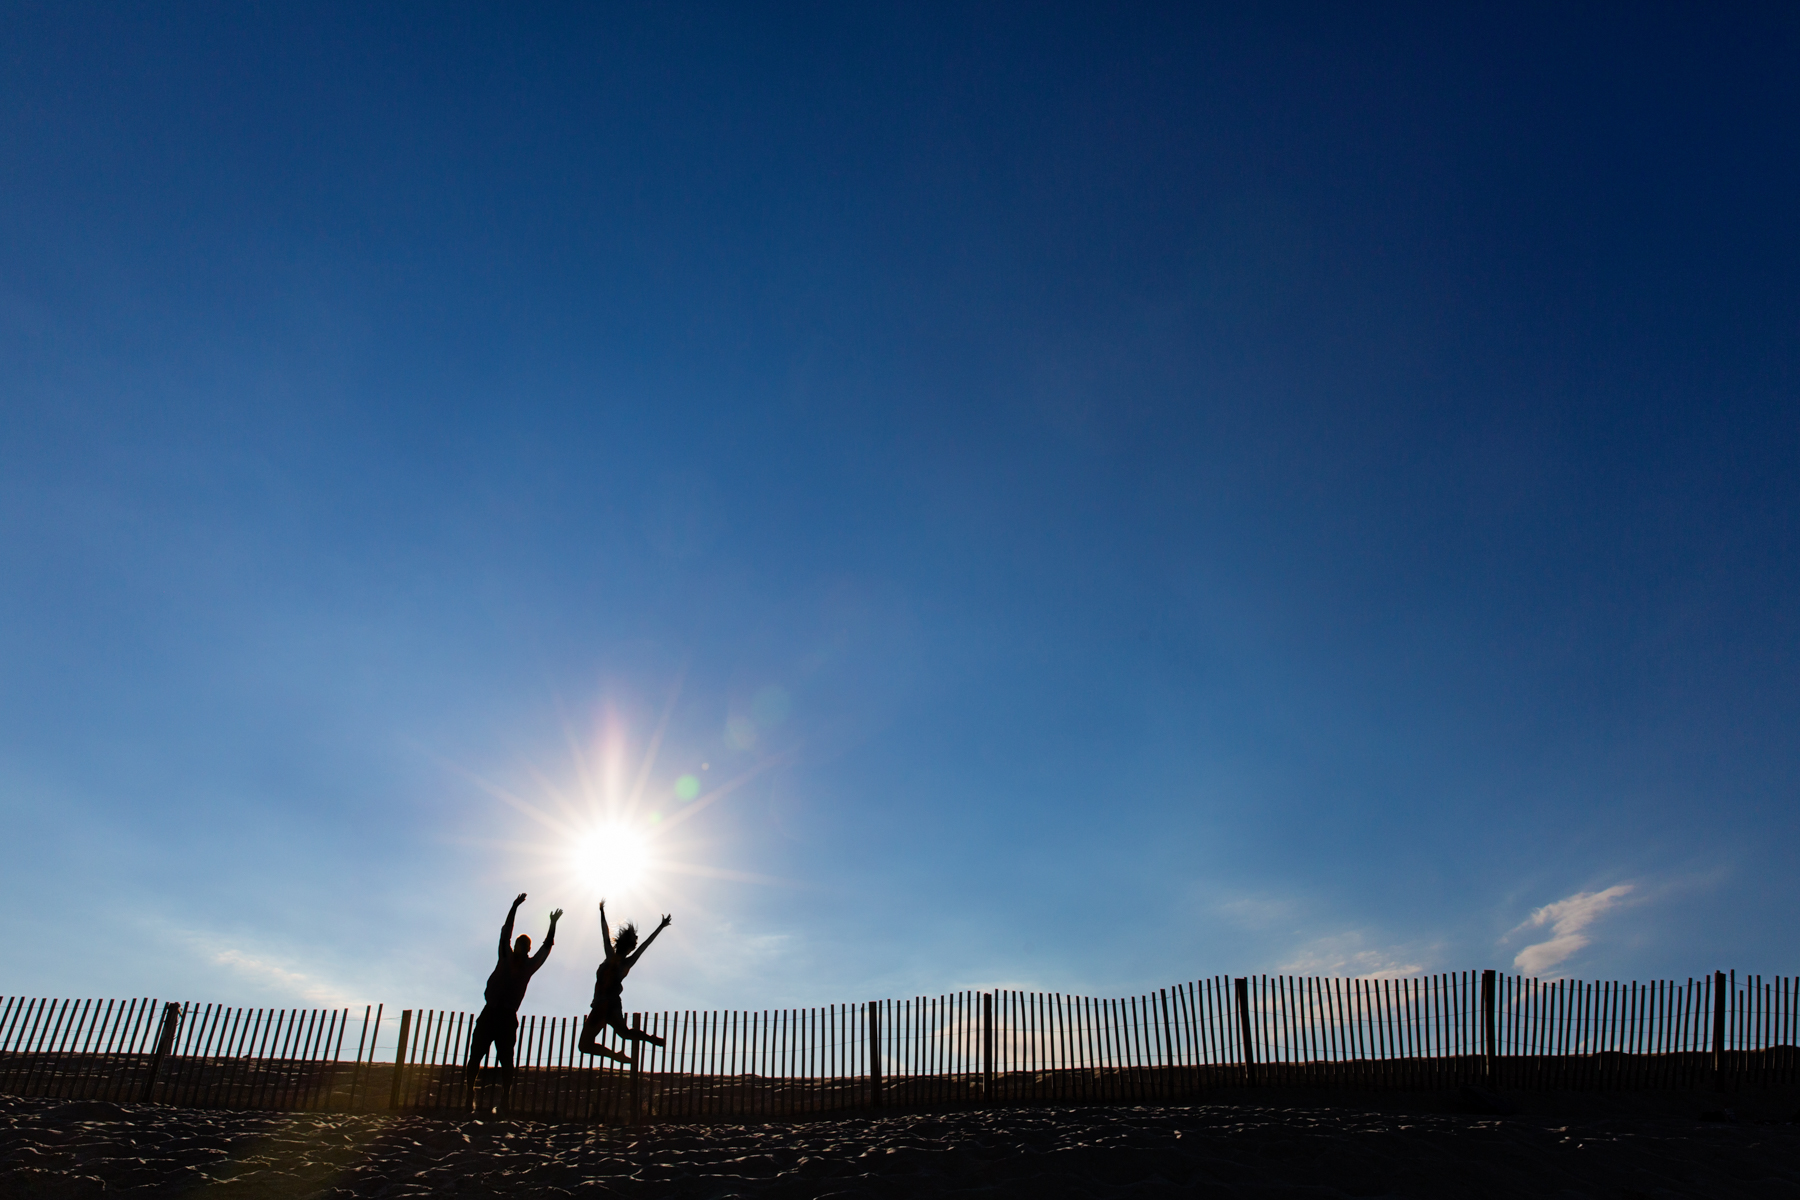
<point x="202" y="950"/>
<point x="1568" y="920"/>
<point x="1350" y="954"/>
<point x="270" y="975"/>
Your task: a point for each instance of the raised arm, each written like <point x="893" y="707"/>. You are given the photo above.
<point x="605" y="933"/>
<point x="537" y="960"/>
<point x="666" y="921"/>
<point x="506" y="929"/>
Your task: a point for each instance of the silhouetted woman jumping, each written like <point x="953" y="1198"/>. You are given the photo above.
<point x="609" y="989"/>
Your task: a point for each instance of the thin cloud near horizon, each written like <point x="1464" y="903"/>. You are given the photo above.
<point x="1568" y="920"/>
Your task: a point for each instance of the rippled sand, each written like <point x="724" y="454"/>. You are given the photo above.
<point x="56" y="1149"/>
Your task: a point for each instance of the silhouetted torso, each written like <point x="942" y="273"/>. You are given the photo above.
<point x="506" y="986"/>
<point x="609" y="987"/>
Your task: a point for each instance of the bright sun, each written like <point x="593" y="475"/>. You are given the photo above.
<point x="611" y="858"/>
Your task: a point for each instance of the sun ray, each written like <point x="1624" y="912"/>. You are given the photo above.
<point x="656" y="738"/>
<point x="505" y="797"/>
<point x="681" y="868"/>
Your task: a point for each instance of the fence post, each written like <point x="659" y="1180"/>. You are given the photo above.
<point x="987" y="1046"/>
<point x="1718" y="1054"/>
<point x="1243" y="1008"/>
<point x="165" y="1043"/>
<point x="1168" y="1046"/>
<point x="1487" y="1027"/>
<point x="875" y="1053"/>
<point x="399" y="1056"/>
<point x="637" y="1057"/>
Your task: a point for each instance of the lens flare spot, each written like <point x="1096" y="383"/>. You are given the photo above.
<point x="687" y="787"/>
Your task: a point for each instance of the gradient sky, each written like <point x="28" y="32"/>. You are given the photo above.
<point x="1091" y="495"/>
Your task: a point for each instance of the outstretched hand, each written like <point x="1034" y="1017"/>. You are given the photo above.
<point x="519" y="899"/>
<point x="666" y="921"/>
<point x="555" y="915"/>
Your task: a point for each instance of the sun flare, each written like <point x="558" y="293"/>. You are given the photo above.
<point x="611" y="858"/>
<point x="614" y="827"/>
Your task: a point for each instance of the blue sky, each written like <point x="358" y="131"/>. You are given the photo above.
<point x="1089" y="497"/>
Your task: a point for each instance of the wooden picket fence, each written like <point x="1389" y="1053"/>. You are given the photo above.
<point x="959" y="1050"/>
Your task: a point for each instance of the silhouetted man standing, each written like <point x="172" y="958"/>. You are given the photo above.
<point x="498" y="1024"/>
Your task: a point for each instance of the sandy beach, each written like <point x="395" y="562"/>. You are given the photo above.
<point x="1615" y="1148"/>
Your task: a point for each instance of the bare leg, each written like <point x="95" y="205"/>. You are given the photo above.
<point x="503" y="1050"/>
<point x="591" y="1025"/>
<point x="634" y="1034"/>
<point x="479" y="1041"/>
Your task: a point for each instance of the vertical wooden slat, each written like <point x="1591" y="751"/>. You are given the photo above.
<point x="328" y="1089"/>
<point x="1384" y="1010"/>
<point x="116" y="1062"/>
<point x="189" y="1076"/>
<point x="44" y="1071"/>
<point x="113" y="1063"/>
<point x="300" y="1042"/>
<point x="56" y="1081"/>
<point x="1248" y="1048"/>
<point x="263" y="1053"/>
<point x="1259" y="1016"/>
<point x="221" y="1068"/>
<point x="1718" y="1026"/>
<point x="268" y="1052"/>
<point x="716" y="1061"/>
<point x="43" y="1035"/>
<point x="1128" y="1046"/>
<point x="1100" y="1026"/>
<point x="70" y="1070"/>
<point x="230" y="1062"/>
<point x="987" y="1047"/>
<point x="25" y="1037"/>
<point x="874" y="1014"/>
<point x="317" y="1046"/>
<point x="1326" y="1053"/>
<point x="400" y="1048"/>
<point x="291" y="1080"/>
<point x="81" y="1071"/>
<point x="1108" y="1024"/>
<point x="8" y="1015"/>
<point x="1188" y="1055"/>
<point x="306" y="1054"/>
<point x="364" y="1065"/>
<point x="1081" y="1030"/>
<point x="1338" y="1050"/>
<point x="1094" y="1012"/>
<point x="1078" y="1047"/>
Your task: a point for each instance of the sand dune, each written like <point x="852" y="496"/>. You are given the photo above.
<point x="1270" y="1149"/>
